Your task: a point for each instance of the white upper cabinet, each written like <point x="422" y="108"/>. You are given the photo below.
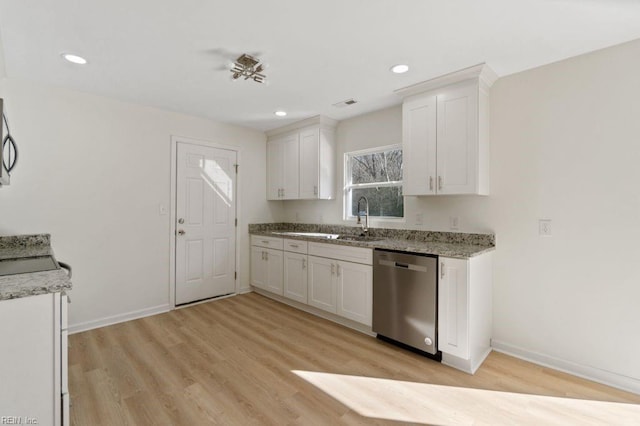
<point x="445" y="134"/>
<point x="301" y="161"/>
<point x="283" y="165"/>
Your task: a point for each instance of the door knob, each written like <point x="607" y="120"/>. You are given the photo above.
<point x="181" y="232"/>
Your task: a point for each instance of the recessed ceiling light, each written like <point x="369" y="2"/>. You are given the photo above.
<point x="281" y="113"/>
<point x="74" y="59"/>
<point x="400" y="68"/>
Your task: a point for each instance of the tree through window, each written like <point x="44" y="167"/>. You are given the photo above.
<point x="377" y="175"/>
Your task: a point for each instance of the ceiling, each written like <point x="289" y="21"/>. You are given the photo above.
<point x="173" y="54"/>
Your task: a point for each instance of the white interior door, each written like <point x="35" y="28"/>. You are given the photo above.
<point x="205" y="228"/>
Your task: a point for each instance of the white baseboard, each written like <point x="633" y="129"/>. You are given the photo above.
<point x="608" y="378"/>
<point x="115" y="319"/>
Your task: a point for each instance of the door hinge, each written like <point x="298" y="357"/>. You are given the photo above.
<point x="236" y="221"/>
<point x="236" y="166"/>
<point x="235" y="275"/>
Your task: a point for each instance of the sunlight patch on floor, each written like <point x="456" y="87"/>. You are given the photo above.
<point x="450" y="405"/>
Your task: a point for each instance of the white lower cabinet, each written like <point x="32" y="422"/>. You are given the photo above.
<point x="267" y="269"/>
<point x="332" y="277"/>
<point x="340" y="287"/>
<point x="322" y="285"/>
<point x="354" y="291"/>
<point x="295" y="276"/>
<point x="34" y="360"/>
<point x="464" y="311"/>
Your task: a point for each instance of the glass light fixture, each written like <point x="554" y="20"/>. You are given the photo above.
<point x="248" y="67"/>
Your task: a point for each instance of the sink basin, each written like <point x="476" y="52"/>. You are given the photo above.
<point x="358" y="238"/>
<point x="311" y="235"/>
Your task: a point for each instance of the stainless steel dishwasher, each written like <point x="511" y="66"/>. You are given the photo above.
<point x="405" y="300"/>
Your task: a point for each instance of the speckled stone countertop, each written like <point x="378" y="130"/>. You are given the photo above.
<point x="33" y="283"/>
<point x="449" y="244"/>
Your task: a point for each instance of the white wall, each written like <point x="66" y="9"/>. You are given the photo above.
<point x="565" y="146"/>
<point x="93" y="172"/>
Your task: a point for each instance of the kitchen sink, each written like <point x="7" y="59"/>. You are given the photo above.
<point x="311" y="235"/>
<point x="363" y="238"/>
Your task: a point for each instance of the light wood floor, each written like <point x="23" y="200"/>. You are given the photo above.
<point x="250" y="360"/>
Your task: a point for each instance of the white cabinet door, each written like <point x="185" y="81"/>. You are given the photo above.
<point x="274" y="169"/>
<point x="457" y="130"/>
<point x="274" y="281"/>
<point x="295" y="276"/>
<point x="283" y="168"/>
<point x="290" y="168"/>
<point x="322" y="285"/>
<point x="419" y="145"/>
<point x="355" y="289"/>
<point x="309" y="163"/>
<point x="258" y="267"/>
<point x="27" y="370"/>
<point x="453" y="307"/>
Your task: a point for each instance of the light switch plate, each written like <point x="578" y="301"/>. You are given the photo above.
<point x="544" y="227"/>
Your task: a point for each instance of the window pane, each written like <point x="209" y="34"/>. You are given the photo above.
<point x="386" y="201"/>
<point x="377" y="167"/>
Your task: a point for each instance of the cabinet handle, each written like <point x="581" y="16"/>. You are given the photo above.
<point x="262" y="254"/>
<point x="441" y="269"/>
<point x="430" y="183"/>
<point x="338" y="270"/>
<point x="333" y="269"/>
<point x="315" y="189"/>
<point x="264" y="241"/>
<point x="439" y="182"/>
<point x="294" y="245"/>
<point x="282" y="192"/>
<point x="266" y="256"/>
<point x="304" y="263"/>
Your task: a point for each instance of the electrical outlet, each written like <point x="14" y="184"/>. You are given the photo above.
<point x="544" y="227"/>
<point x="454" y="222"/>
<point x="419" y="218"/>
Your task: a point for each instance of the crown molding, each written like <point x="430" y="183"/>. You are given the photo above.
<point x="482" y="72"/>
<point x="318" y="120"/>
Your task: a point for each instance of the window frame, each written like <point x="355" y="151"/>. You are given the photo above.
<point x="348" y="186"/>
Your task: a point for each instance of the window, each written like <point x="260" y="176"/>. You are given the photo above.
<point x="377" y="175"/>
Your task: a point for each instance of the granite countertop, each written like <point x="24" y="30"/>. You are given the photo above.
<point x="449" y="244"/>
<point x="32" y="283"/>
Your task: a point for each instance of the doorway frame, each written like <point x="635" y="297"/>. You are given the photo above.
<point x="173" y="204"/>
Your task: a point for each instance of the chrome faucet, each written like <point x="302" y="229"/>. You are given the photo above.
<point x="365" y="225"/>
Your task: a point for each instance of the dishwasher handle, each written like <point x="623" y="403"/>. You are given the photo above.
<point x="409" y="266"/>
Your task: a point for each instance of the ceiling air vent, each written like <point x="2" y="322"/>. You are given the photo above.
<point x="346" y="103"/>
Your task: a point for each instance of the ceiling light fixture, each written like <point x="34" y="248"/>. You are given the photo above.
<point x="400" y="68"/>
<point x="248" y="67"/>
<point x="74" y="59"/>
<point x="281" y="113"/>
